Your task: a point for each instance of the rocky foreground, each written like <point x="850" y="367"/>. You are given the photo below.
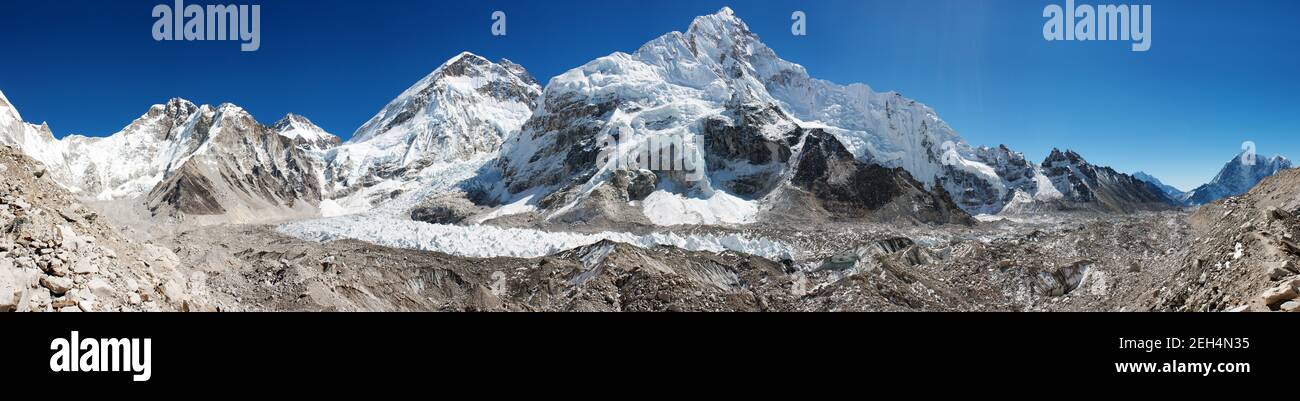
<point x="1239" y="254"/>
<point x="58" y="255"/>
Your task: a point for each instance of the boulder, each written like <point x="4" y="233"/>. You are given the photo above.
<point x="84" y="266"/>
<point x="83" y="298"/>
<point x="64" y="302"/>
<point x="481" y="299"/>
<point x="40" y="299"/>
<point x="1278" y="214"/>
<point x="57" y="268"/>
<point x="11" y="292"/>
<point x="1280" y="270"/>
<point x="1290" y="247"/>
<point x="175" y="292"/>
<point x="57" y="285"/>
<point x="101" y="288"/>
<point x="1290" y="306"/>
<point x="1283" y="292"/>
<point x="71" y="241"/>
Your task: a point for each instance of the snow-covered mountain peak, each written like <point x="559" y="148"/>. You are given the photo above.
<point x="464" y="64"/>
<point x="719" y="85"/>
<point x="465" y="87"/>
<point x="232" y="110"/>
<point x="301" y="130"/>
<point x="455" y="116"/>
<point x="1236" y="177"/>
<point x="723" y="23"/>
<point x="1062" y="159"/>
<point x="292" y="120"/>
<point x="178" y="103"/>
<point x="35" y="140"/>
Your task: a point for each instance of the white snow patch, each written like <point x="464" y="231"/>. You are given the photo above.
<point x="330" y="208"/>
<point x="668" y="209"/>
<point x="518" y="207"/>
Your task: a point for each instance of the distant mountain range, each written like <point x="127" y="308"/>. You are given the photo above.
<point x="1237" y="176"/>
<point x="774" y="142"/>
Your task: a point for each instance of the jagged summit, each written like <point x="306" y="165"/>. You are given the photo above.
<point x="739" y="108"/>
<point x="178" y="102"/>
<point x="465" y="92"/>
<point x="728" y="96"/>
<point x="1080" y="185"/>
<point x="291" y="119"/>
<point x="1059" y="158"/>
<point x="1236" y="177"/>
<point x="183" y="159"/>
<point x="457" y="115"/>
<point x="303" y="132"/>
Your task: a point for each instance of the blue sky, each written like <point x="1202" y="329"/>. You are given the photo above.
<point x="1218" y="73"/>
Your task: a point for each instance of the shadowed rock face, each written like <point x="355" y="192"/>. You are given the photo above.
<point x="831" y="173"/>
<point x="850" y="188"/>
<point x="976" y="194"/>
<point x="734" y="149"/>
<point x="188" y="192"/>
<point x="246" y="168"/>
<point x="568" y="133"/>
<point x="1087" y="186"/>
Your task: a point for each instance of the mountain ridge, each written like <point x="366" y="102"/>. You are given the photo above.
<point x="1237" y="176"/>
<point x="740" y="110"/>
